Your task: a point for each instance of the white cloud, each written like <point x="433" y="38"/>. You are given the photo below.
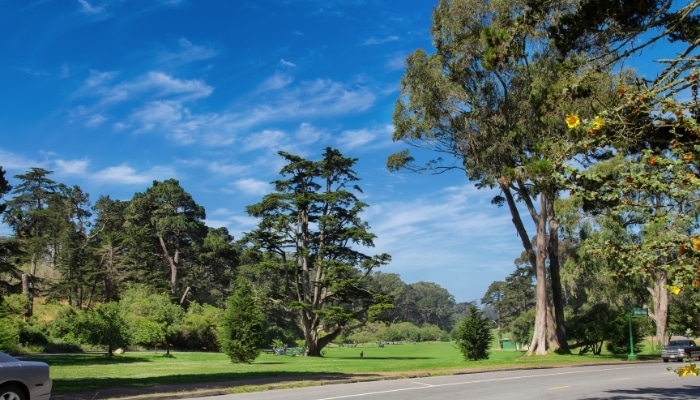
<point x="13" y="161"/>
<point x="72" y="167"/>
<point x="276" y="82"/>
<point x="374" y="41"/>
<point x="308" y="134"/>
<point x="88" y="8"/>
<point x="253" y="186"/>
<point x="287" y="63"/>
<point x="95" y="120"/>
<point x="153" y="84"/>
<point x="317" y="98"/>
<point x="356" y="138"/>
<point x="188" y="52"/>
<point x="157" y="113"/>
<point x="124" y="174"/>
<point x="267" y="139"/>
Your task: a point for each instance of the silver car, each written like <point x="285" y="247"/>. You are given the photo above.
<point x="24" y="380"/>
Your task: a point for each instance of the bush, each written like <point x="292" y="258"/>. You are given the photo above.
<point x="474" y="335"/>
<point x="619" y="335"/>
<point x="241" y="332"/>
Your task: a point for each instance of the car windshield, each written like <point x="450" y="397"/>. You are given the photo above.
<point x="4" y="358"/>
<point x="679" y="343"/>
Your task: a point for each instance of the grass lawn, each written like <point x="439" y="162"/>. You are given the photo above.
<point x="84" y="372"/>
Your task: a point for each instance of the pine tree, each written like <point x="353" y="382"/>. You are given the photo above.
<point x="242" y="326"/>
<point x="474" y="335"/>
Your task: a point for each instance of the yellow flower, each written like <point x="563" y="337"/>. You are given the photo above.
<point x="598" y="123"/>
<point x="696" y="243"/>
<point x="675" y="289"/>
<point x="682" y="371"/>
<point x="572" y="121"/>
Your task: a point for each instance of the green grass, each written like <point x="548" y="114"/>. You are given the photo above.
<point x="85" y="372"/>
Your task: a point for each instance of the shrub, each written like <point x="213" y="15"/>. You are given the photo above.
<point x="241" y="332"/>
<point x="474" y="335"/>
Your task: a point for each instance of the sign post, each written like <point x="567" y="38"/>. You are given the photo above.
<point x="634" y="312"/>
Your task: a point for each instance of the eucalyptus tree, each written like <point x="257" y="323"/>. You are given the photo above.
<point x="492" y="100"/>
<point x="165" y="226"/>
<point x="309" y="236"/>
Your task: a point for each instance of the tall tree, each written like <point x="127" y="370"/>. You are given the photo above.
<point x="73" y="246"/>
<point x="172" y="223"/>
<point x="311" y="231"/>
<point x="28" y="215"/>
<point x="488" y="99"/>
<point x="110" y="246"/>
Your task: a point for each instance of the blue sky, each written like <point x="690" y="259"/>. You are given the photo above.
<point x="113" y="94"/>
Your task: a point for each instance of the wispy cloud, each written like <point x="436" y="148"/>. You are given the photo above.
<point x="126" y="175"/>
<point x="375" y="41"/>
<point x="253" y="186"/>
<point x="153" y="84"/>
<point x="276" y="82"/>
<point x="72" y="167"/>
<point x="287" y="63"/>
<point x="188" y="52"/>
<point x="361" y="138"/>
<point x="268" y="138"/>
<point x="87" y="8"/>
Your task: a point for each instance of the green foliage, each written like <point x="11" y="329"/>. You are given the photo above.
<point x="308" y="244"/>
<point x="199" y="327"/>
<point x="521" y="328"/>
<point x="684" y="314"/>
<point x="474" y="335"/>
<point x="241" y="331"/>
<point x="619" y="335"/>
<point x="591" y="329"/>
<point x="152" y="318"/>
<point x="103" y="326"/>
<point x="8" y="332"/>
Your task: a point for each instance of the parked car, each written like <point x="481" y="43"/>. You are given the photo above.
<point x="680" y="349"/>
<point x="24" y="380"/>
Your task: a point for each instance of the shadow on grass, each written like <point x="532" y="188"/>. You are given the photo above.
<point x="88" y="359"/>
<point x="391" y="358"/>
<point x="189" y="381"/>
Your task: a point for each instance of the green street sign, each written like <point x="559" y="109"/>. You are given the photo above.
<point x="640" y="312"/>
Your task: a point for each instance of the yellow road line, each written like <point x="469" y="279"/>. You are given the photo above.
<point x="559" y="388"/>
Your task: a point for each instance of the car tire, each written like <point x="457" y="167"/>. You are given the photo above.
<point x="665" y="359"/>
<point x="12" y="392"/>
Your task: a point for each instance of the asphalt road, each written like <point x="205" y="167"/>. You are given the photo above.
<point x="618" y="382"/>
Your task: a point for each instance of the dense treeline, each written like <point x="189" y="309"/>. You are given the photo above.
<point x="171" y="277"/>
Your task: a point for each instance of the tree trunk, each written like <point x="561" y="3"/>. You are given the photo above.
<point x="659" y="306"/>
<point x="172" y="262"/>
<point x="27" y="291"/>
<point x="555" y="278"/>
<point x="539" y="343"/>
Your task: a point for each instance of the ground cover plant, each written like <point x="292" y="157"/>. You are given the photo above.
<point x="88" y="372"/>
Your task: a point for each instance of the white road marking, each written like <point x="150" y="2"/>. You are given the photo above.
<point x="468" y="383"/>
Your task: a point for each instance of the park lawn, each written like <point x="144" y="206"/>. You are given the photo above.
<point x="88" y="372"/>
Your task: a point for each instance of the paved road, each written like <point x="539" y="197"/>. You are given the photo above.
<point x="618" y="382"/>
